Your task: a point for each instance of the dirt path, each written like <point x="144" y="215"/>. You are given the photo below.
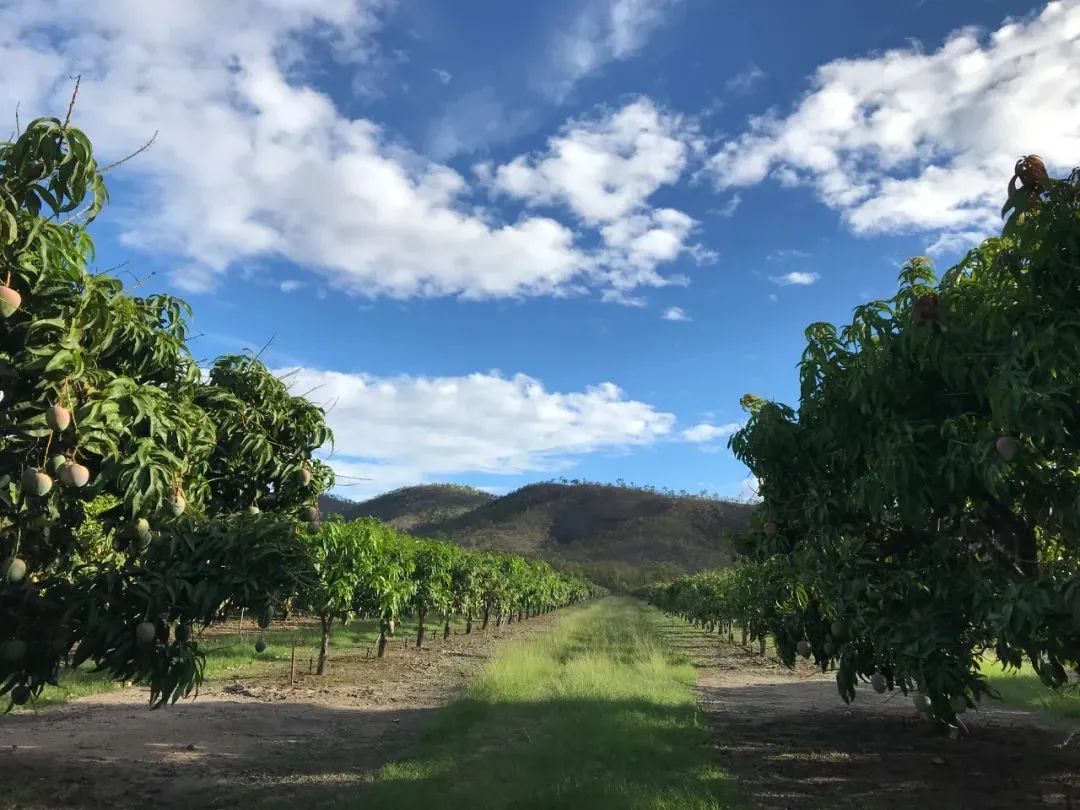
<point x="793" y="743"/>
<point x="253" y="743"/>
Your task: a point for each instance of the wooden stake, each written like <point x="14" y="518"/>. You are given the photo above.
<point x="292" y="667"/>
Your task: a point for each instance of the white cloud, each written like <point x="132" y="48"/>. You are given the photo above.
<point x="603" y="31"/>
<point x="912" y="140"/>
<point x="706" y="432"/>
<point x="473" y="121"/>
<point x="727" y="210"/>
<point x="796" y="278"/>
<point x="785" y="254"/>
<point x="404" y="430"/>
<point x="748" y="490"/>
<point x="745" y="80"/>
<point x="291" y="285"/>
<point x="675" y="314"/>
<point x="604" y="170"/>
<point x="444" y="76"/>
<point x="253" y="163"/>
<point x="954" y="242"/>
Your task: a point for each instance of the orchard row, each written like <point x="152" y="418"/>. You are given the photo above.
<point x="141" y="497"/>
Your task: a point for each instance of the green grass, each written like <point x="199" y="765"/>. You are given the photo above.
<point x="597" y="714"/>
<point x="1023" y="689"/>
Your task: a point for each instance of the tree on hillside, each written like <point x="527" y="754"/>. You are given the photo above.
<point x="925" y="494"/>
<point x="121" y="471"/>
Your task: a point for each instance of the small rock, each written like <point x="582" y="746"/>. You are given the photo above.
<point x="191" y="746"/>
<point x="937" y="761"/>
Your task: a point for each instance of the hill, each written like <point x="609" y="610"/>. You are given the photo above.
<point x="619" y="536"/>
<point x="405" y="508"/>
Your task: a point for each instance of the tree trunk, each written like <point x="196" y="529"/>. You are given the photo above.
<point x="324" y="644"/>
<point x="743" y="642"/>
<point x="519" y="614"/>
<point x="446" y="629"/>
<point x="761" y="646"/>
<point x="498" y="620"/>
<point x="487" y="612"/>
<point x="468" y="624"/>
<point x="510" y="617"/>
<point x="420" y="629"/>
<point x="382" y="638"/>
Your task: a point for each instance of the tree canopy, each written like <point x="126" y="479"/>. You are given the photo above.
<point x="921" y="505"/>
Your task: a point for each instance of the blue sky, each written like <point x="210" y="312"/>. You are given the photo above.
<point x="508" y="242"/>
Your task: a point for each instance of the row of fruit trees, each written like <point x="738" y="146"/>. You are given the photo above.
<point x="142" y="496"/>
<point x="921" y="507"/>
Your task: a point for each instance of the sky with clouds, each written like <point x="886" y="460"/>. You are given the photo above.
<point x="506" y="242"/>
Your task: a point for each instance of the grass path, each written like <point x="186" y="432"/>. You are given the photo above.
<point x="597" y="714"/>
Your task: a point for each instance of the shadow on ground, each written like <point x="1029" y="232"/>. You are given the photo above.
<point x="795" y="744"/>
<point x="204" y="754"/>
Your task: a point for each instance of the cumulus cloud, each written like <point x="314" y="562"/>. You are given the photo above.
<point x="675" y="314"/>
<point x="795" y="278"/>
<point x="925" y="140"/>
<point x="251" y="162"/>
<point x="405" y="430"/>
<point x="291" y="285"/>
<point x="604" y="169"/>
<point x="603" y="31"/>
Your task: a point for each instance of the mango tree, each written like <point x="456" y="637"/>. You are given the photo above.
<point x="925" y="494"/>
<point x="117" y="519"/>
<point x="387" y="587"/>
<point x="434" y="562"/>
<point x="340" y="559"/>
<point x="491" y="586"/>
<point x="465" y="593"/>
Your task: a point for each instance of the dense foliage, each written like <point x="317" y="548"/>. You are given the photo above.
<point x="921" y="507"/>
<point x="130" y="486"/>
<point x="140" y="497"/>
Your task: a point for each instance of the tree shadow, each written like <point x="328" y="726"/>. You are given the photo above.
<point x="795" y="744"/>
<point x="202" y="753"/>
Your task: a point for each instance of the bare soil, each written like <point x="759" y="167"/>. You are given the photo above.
<point x="254" y="742"/>
<point x="793" y="743"/>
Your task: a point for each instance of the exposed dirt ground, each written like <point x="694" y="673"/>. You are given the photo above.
<point x="786" y="736"/>
<point x="793" y="743"/>
<point x="256" y="742"/>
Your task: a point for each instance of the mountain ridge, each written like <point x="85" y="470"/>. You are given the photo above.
<point x="620" y="536"/>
